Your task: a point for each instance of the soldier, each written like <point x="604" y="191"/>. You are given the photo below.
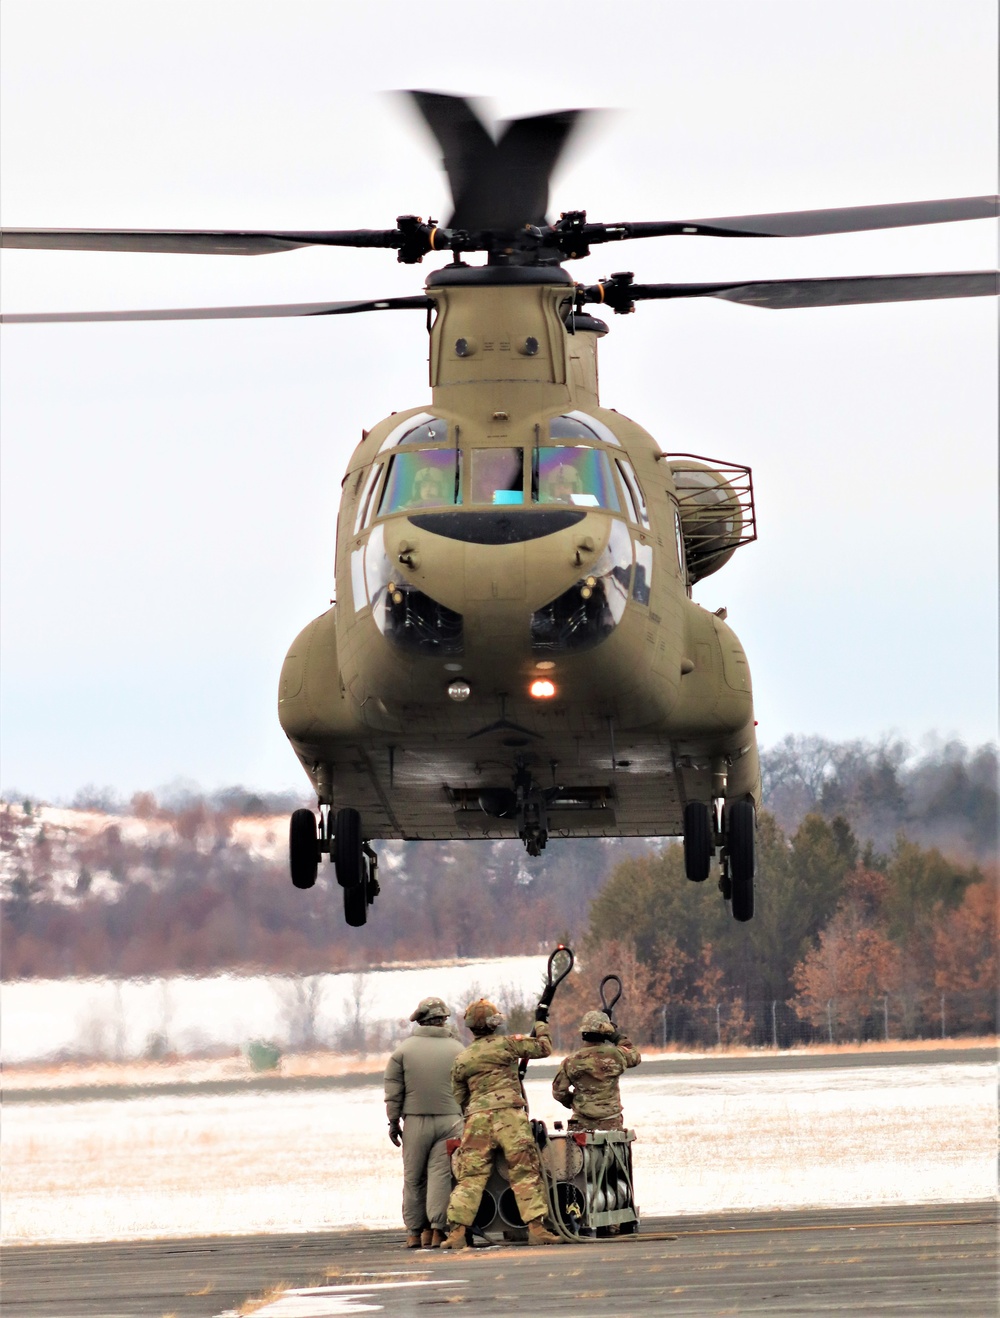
<point x="587" y="1081"/>
<point x="486" y="1084"/>
<point x="418" y="1090"/>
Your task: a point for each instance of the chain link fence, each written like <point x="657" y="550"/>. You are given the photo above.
<point x="921" y="1014"/>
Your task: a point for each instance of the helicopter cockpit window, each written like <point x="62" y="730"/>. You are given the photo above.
<point x="426" y="479"/>
<point x="496" y="475"/>
<point x="578" y="425"/>
<point x="420" y="429"/>
<point x="576" y="475"/>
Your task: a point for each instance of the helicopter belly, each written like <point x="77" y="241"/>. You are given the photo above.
<point x="603" y="752"/>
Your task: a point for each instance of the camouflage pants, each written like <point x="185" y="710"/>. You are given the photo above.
<point x="485" y="1132"/>
<point x="595" y="1123"/>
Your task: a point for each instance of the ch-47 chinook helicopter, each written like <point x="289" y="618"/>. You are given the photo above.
<point x="514" y="651"/>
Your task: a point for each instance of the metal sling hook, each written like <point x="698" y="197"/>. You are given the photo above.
<point x="609" y="1007"/>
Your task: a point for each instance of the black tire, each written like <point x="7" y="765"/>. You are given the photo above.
<point x="303" y="848"/>
<point x="348" y="856"/>
<point x="698" y="841"/>
<point x="356" y="904"/>
<point x="741" y="843"/>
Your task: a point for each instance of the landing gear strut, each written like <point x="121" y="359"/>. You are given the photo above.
<point x="354" y="860"/>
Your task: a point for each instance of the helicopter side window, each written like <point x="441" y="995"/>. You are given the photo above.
<point x="364" y="503"/>
<point x="642" y="574"/>
<point x="634" y="491"/>
<point x="424" y="479"/>
<point x="496" y="475"/>
<point x="420" y="429"/>
<point x="578" y="425"/>
<point x="578" y="476"/>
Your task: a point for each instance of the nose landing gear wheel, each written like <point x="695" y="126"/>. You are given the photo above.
<point x="698" y="841"/>
<point x="303" y="848"/>
<point x="742" y="857"/>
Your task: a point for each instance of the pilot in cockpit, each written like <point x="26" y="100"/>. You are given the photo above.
<point x="428" y="488"/>
<point x="562" y="484"/>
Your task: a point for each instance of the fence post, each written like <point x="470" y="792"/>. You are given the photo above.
<point x="885" y="1014"/>
<point x="942" y="1015"/>
<point x="774" y="1024"/>
<point x="829" y="1018"/>
<point x="718" y="1024"/>
<point x="664" y="1015"/>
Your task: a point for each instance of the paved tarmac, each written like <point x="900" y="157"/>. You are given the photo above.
<point x="663" y="1065"/>
<point x="920" y="1262"/>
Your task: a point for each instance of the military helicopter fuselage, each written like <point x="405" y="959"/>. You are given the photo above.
<point x="514" y="650"/>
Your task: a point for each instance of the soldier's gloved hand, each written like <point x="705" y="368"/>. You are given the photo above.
<point x="542" y="1012"/>
<point x="617" y="1036"/>
<point x="395" y="1132"/>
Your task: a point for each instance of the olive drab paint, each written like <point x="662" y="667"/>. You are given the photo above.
<point x="651" y="708"/>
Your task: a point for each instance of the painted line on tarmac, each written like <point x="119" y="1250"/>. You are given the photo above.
<point x="331" y="1301"/>
<point x="785" y="1230"/>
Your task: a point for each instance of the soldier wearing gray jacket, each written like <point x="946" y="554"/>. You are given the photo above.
<point x="418" y="1094"/>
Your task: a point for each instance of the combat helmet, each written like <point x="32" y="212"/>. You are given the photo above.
<point x="429" y="1009"/>
<point x="482" y="1017"/>
<point x="596" y="1022"/>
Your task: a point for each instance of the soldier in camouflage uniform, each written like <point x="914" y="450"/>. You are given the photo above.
<point x="487" y="1086"/>
<point x="587" y="1081"/>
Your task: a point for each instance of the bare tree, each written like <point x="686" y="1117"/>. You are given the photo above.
<point x="301" y="997"/>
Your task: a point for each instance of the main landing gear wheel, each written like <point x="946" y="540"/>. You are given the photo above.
<point x="303" y="848"/>
<point x="359" y="896"/>
<point x="742" y="857"/>
<point x="356" y="864"/>
<point x="348" y="854"/>
<point x="698" y="841"/>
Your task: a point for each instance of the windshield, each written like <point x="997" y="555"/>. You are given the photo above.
<point x="426" y="479"/>
<point x="576" y="475"/>
<point x="496" y="475"/>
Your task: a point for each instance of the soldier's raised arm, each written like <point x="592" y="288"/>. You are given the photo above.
<point x="630" y="1053"/>
<point x="523" y="1045"/>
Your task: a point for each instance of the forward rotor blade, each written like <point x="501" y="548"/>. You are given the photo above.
<point x="495" y="186"/>
<point x="778" y="294"/>
<point x="224" y="242"/>
<point x="803" y="224"/>
<point x="417" y="303"/>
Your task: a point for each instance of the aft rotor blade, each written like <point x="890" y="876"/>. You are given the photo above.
<point x="496" y="186"/>
<point x="778" y="294"/>
<point x="418" y="303"/>
<point x="804" y="224"/>
<point x="217" y="242"/>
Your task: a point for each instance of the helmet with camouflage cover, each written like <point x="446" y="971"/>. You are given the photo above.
<point x="430" y="1009"/>
<point x="482" y="1017"/>
<point x="596" y="1022"/>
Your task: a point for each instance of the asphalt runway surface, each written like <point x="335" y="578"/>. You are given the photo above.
<point x="662" y="1065"/>
<point x="937" y="1259"/>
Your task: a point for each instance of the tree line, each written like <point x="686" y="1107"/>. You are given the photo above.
<point x="876" y="902"/>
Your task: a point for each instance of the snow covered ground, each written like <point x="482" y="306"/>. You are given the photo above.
<point x="120" y="1019"/>
<point x="231" y="1164"/>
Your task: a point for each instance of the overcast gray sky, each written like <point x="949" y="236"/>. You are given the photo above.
<point x="170" y="491"/>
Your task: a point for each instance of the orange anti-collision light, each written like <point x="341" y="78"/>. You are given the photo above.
<point x="542" y="688"/>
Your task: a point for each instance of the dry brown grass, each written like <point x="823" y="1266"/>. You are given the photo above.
<point x="257" y="1302"/>
<point x="196" y="1071"/>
